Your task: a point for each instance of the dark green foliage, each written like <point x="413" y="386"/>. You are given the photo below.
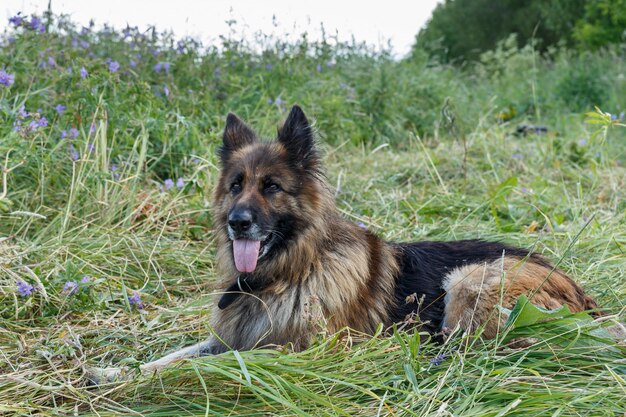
<point x="604" y="22"/>
<point x="582" y="85"/>
<point x="461" y="30"/>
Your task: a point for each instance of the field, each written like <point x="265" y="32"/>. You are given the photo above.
<point x="107" y="151"/>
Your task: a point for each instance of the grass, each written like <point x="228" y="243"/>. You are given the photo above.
<point x="414" y="149"/>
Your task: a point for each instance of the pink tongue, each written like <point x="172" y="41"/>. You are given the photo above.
<point x="246" y="252"/>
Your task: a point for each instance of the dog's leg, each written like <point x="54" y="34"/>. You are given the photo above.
<point x="210" y="346"/>
<point x="207" y="347"/>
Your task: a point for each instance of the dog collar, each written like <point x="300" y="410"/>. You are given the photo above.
<point x="239" y="287"/>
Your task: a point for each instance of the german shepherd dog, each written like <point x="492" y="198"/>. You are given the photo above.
<point x="284" y="252"/>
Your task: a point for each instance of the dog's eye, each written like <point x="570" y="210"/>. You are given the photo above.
<point x="235" y="188"/>
<point x="272" y="188"/>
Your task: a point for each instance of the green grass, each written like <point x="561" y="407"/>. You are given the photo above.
<point x="414" y="149"/>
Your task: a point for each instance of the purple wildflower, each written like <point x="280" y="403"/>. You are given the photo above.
<point x="6" y="79"/>
<point x="74" y="155"/>
<point x="16" y="20"/>
<point x="60" y="108"/>
<point x="165" y="66"/>
<point x="319" y="68"/>
<point x="42" y="122"/>
<point x="613" y="117"/>
<point x="621" y="115"/>
<point x="168" y="183"/>
<point x="361" y="225"/>
<point x="24" y="288"/>
<point x="22" y="113"/>
<point x="85" y="279"/>
<point x="269" y="101"/>
<point x="83" y="73"/>
<point x="37" y="24"/>
<point x="92" y="128"/>
<point x="135" y="300"/>
<point x="133" y="63"/>
<point x="91" y="147"/>
<point x="278" y="101"/>
<point x="73" y="133"/>
<point x="84" y="44"/>
<point x="63" y="134"/>
<point x="517" y="156"/>
<point x="582" y="142"/>
<point x="437" y="360"/>
<point x="268" y="66"/>
<point x="51" y="62"/>
<point x="114" y="66"/>
<point x="116" y="175"/>
<point x="70" y="287"/>
<point x="180" y="183"/>
<point x="166" y="91"/>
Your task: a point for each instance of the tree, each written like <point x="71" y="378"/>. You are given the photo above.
<point x="604" y="22"/>
<point x="463" y="29"/>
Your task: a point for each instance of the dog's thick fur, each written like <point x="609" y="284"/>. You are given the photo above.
<point x="314" y="264"/>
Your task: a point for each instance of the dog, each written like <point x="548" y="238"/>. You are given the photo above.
<point x="286" y="258"/>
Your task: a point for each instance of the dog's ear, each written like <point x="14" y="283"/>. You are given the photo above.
<point x="296" y="135"/>
<point x="236" y="135"/>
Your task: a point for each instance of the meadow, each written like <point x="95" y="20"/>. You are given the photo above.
<point x="107" y="152"/>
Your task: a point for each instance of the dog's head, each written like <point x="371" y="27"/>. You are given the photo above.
<point x="268" y="191"/>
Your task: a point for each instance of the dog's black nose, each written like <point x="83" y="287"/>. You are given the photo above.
<point x="240" y="220"/>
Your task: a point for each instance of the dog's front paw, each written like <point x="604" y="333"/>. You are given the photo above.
<point x="99" y="376"/>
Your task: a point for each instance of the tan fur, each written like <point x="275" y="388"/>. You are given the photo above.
<point x="339" y="279"/>
<point x="473" y="292"/>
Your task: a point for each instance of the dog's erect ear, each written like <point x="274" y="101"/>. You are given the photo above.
<point x="236" y="135"/>
<point x="297" y="137"/>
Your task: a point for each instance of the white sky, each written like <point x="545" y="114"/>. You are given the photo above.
<point x="372" y="21"/>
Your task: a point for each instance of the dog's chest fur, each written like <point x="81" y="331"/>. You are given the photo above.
<point x="349" y="282"/>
